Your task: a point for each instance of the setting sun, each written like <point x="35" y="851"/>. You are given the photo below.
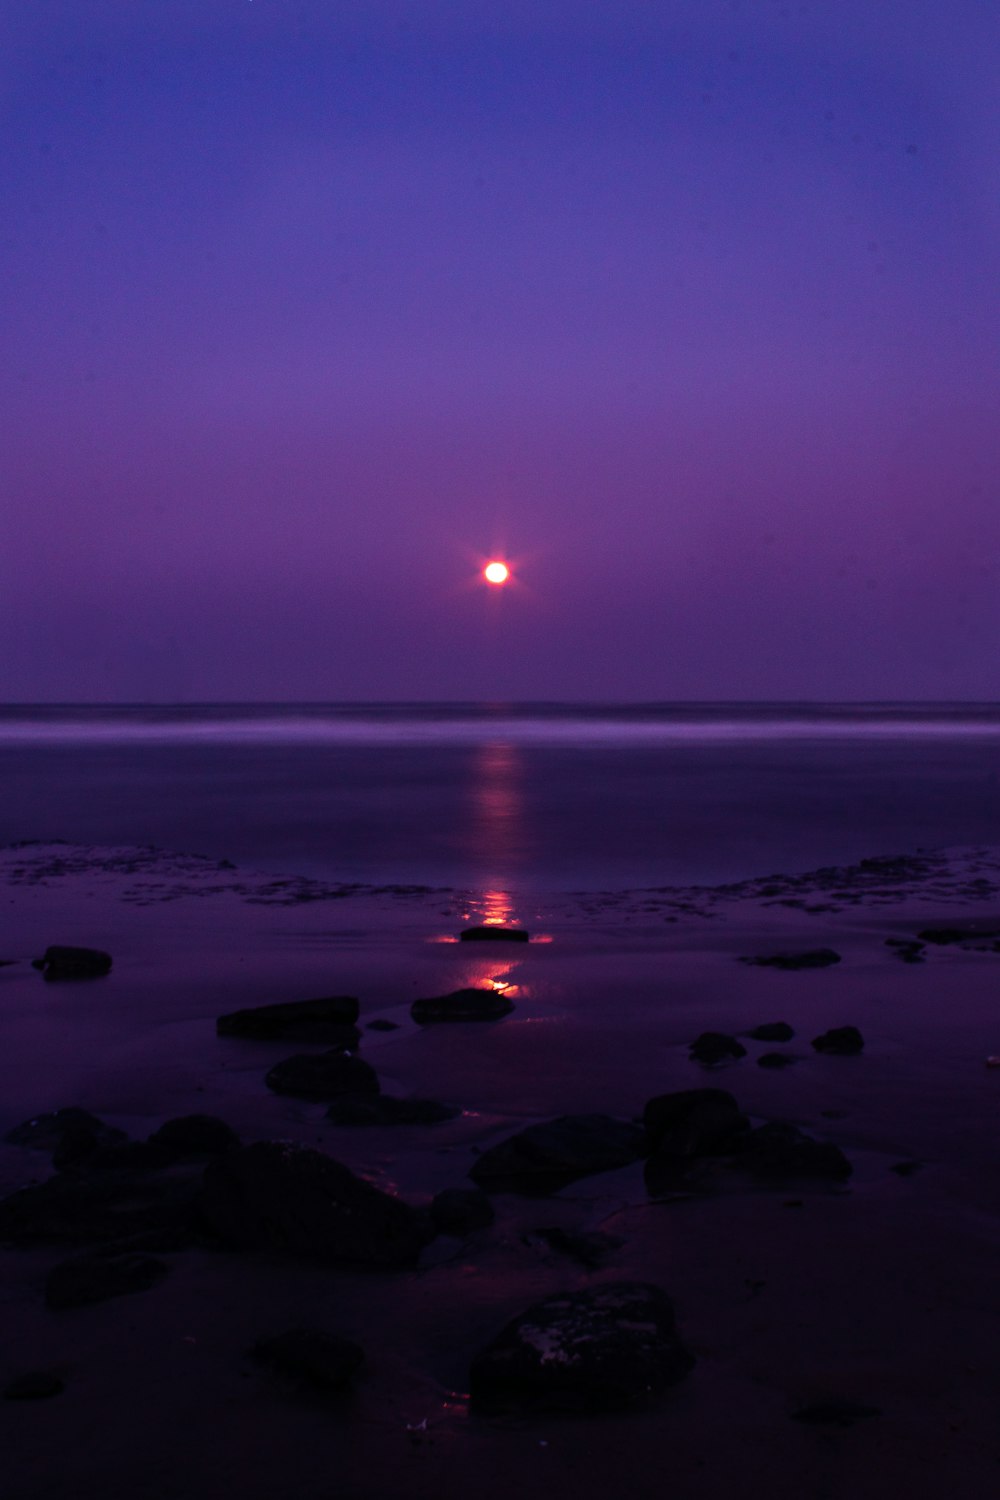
<point x="496" y="572"/>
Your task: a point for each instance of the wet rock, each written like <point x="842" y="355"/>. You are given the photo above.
<point x="50" y="1131"/>
<point x="591" y="1351"/>
<point x="976" y="930"/>
<point x="320" y="1359"/>
<point x="835" y="1413"/>
<point x="128" y="1156"/>
<point x="460" y="1211"/>
<point x="772" y="1031"/>
<point x="462" y="1005"/>
<point x="714" y="1047"/>
<point x="96" y="1278"/>
<point x="779" y="1150"/>
<point x="380" y="1109"/>
<point x="908" y="951"/>
<point x="775" y="1060"/>
<point x="330" y="1021"/>
<point x="33" y="1385"/>
<point x="195" y="1135"/>
<point x="547" y="1156"/>
<point x="491" y="934"/>
<point x="381" y="1024"/>
<point x="89" y="1208"/>
<point x="324" y="1075"/>
<point x="589" y="1248"/>
<point x="842" y="1041"/>
<point x="274" y="1195"/>
<point x="73" y="963"/>
<point x="694" y="1122"/>
<point x="812" y="958"/>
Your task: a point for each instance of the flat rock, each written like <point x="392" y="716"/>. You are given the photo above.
<point x="491" y="934"/>
<point x="330" y="1021"/>
<point x="775" y="1060"/>
<point x="33" y="1385"/>
<point x="714" y="1047"/>
<point x="462" y="1005"/>
<point x="380" y="1109"/>
<point x="694" y="1122"/>
<point x="772" y="1031"/>
<point x="49" y="1131"/>
<point x="597" y="1350"/>
<point x="549" y="1155"/>
<point x="274" y="1195"/>
<point x="88" y="1208"/>
<point x="906" y="950"/>
<point x="975" y="930"/>
<point x="324" y="1075"/>
<point x="195" y="1135"/>
<point x="460" y="1211"/>
<point x="96" y="1278"/>
<point x="60" y="962"/>
<point x="842" y="1041"/>
<point x="778" y="1150"/>
<point x="320" y="1359"/>
<point x="810" y="958"/>
<point x="589" y="1248"/>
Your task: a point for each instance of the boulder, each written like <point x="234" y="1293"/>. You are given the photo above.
<point x="975" y="930"/>
<point x="275" y="1195"/>
<point x="380" y="1109"/>
<point x="51" y="1131"/>
<point x="842" y="1041"/>
<point x="775" y="1060"/>
<point x="462" y="1005"/>
<point x="324" y="1075"/>
<point x="907" y="950"/>
<point x="33" y="1385"/>
<point x="73" y="963"/>
<point x="589" y="1248"/>
<point x="714" y="1047"/>
<point x="459" y="1211"/>
<point x="810" y="958"/>
<point x="591" y="1351"/>
<point x="88" y="1208"/>
<point x="319" y="1359"/>
<point x="491" y="934"/>
<point x="330" y="1021"/>
<point x="779" y="1150"/>
<point x="772" y="1031"/>
<point x="694" y="1122"/>
<point x="547" y="1156"/>
<point x="96" y="1278"/>
<point x="195" y="1135"/>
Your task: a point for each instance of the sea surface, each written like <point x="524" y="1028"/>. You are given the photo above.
<point x="510" y="797"/>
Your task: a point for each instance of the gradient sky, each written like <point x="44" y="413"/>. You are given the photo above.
<point x="688" y="308"/>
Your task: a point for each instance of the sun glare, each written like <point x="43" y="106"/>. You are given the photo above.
<point x="496" y="572"/>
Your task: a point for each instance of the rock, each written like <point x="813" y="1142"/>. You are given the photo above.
<point x="381" y="1024"/>
<point x="128" y="1156"/>
<point x="96" y="1278"/>
<point x="274" y="1195"/>
<point x="812" y="958"/>
<point x="324" y="1075"/>
<point x="330" y="1021"/>
<point x="843" y="1041"/>
<point x="492" y="934"/>
<point x="835" y="1413"/>
<point x="547" y="1156"/>
<point x="590" y="1351"/>
<point x="775" y="1060"/>
<point x="49" y="1132"/>
<point x="462" y="1005"/>
<point x="459" y="1211"/>
<point x="33" y="1385"/>
<point x="73" y="963"/>
<point x="195" y="1135"/>
<point x="694" y="1122"/>
<point x="975" y="930"/>
<point x="321" y="1359"/>
<point x="780" y="1150"/>
<point x="772" y="1031"/>
<point x="715" y="1047"/>
<point x="589" y="1248"/>
<point x="379" y="1109"/>
<point x="89" y="1208"/>
<point x="908" y="951"/>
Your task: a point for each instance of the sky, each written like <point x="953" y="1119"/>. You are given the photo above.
<point x="686" y="309"/>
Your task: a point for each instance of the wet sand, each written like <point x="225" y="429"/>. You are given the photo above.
<point x="878" y="1292"/>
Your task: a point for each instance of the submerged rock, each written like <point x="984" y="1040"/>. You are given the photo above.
<point x="73" y="963"/>
<point x="811" y="958"/>
<point x="96" y="1278"/>
<point x="490" y="934"/>
<point x="459" y="1211"/>
<point x="772" y="1031"/>
<point x="589" y="1248"/>
<point x="775" y="1060"/>
<point x="33" y="1385"/>
<point x="715" y="1047"/>
<point x="195" y="1135"/>
<point x="835" y="1413"/>
<point x="324" y="1075"/>
<point x="694" y="1122"/>
<point x="380" y="1109"/>
<point x="780" y="1150"/>
<point x="321" y="1359"/>
<point x="462" y="1005"/>
<point x="330" y="1021"/>
<point x="597" y="1350"/>
<point x="975" y="930"/>
<point x="842" y="1041"/>
<point x="88" y="1208"/>
<point x="549" y="1155"/>
<point x="907" y="950"/>
<point x="274" y="1195"/>
<point x="50" y="1131"/>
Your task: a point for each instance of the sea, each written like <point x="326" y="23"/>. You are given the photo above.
<point x="519" y="797"/>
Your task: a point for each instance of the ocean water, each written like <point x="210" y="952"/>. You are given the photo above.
<point x="546" y="797"/>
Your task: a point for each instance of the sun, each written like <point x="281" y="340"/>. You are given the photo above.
<point x="496" y="572"/>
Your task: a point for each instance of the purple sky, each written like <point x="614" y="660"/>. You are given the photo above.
<point x="688" y="308"/>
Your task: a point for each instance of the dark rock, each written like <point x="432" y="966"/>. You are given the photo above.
<point x="812" y="958"/>
<point x="775" y="1060"/>
<point x="843" y="1041"/>
<point x="195" y="1135"/>
<point x="379" y="1109"/>
<point x="835" y="1413"/>
<point x="129" y="1156"/>
<point x="73" y="963"/>
<point x="549" y="1155"/>
<point x="459" y="1211"/>
<point x="492" y="934"/>
<point x="589" y="1248"/>
<point x="330" y="1021"/>
<point x="324" y="1075"/>
<point x="694" y="1122"/>
<point x="975" y="930"/>
<point x="590" y="1351"/>
<point x="381" y="1024"/>
<point x="83" y="1209"/>
<point x="905" y="1168"/>
<point x="772" y="1031"/>
<point x="908" y="951"/>
<point x="277" y="1196"/>
<point x="462" y="1005"/>
<point x="33" y="1385"/>
<point x="48" y="1132"/>
<point x="715" y="1047"/>
<point x="96" y="1278"/>
<point x="780" y="1150"/>
<point x="321" y="1359"/>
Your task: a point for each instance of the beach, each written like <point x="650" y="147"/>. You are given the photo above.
<point x="843" y="1331"/>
